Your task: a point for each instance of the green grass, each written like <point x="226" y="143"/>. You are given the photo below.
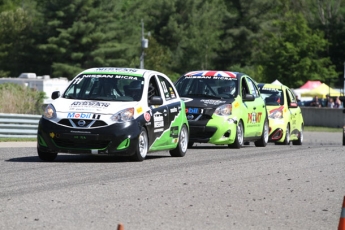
<point x="322" y="129"/>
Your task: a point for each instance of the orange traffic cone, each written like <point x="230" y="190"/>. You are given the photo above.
<point x="120" y="227"/>
<point x="342" y="217"/>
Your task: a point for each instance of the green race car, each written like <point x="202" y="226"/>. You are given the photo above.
<point x="284" y="115"/>
<point x="223" y="108"/>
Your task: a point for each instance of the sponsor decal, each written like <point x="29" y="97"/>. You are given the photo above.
<point x="92" y="104"/>
<point x="270" y="89"/>
<point x="199" y="77"/>
<point x="79" y="115"/>
<point x="212" y="102"/>
<point x="236" y="104"/>
<point x="147" y="116"/>
<point x="139" y="109"/>
<point x="98" y="76"/>
<point x="158" y="130"/>
<point x="117" y="70"/>
<point x="254" y="117"/>
<point x="276" y="113"/>
<point x="126" y="77"/>
<point x="172" y="93"/>
<point x="192" y="110"/>
<point x="158" y="120"/>
<point x="173" y="110"/>
<point x="174" y="131"/>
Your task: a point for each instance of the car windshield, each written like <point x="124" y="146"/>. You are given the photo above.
<point x="105" y="87"/>
<point x="272" y="96"/>
<point x="207" y="87"/>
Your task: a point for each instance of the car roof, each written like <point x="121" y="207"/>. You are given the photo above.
<point x="212" y="73"/>
<point x="119" y="70"/>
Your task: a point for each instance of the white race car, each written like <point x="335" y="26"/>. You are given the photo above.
<point x="114" y="111"/>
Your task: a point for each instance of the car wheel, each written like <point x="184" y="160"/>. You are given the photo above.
<point x="182" y="145"/>
<point x="46" y="156"/>
<point x="299" y="141"/>
<point x="238" y="143"/>
<point x="142" y="146"/>
<point x="262" y="142"/>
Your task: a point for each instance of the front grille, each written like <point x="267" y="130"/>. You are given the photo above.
<point x="90" y="144"/>
<point x="202" y="132"/>
<point x="88" y="123"/>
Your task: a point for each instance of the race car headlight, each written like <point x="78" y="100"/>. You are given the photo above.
<point x="223" y="110"/>
<point x="49" y="112"/>
<point x="123" y="115"/>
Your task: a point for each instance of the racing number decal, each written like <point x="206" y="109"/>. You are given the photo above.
<point x="254" y="117"/>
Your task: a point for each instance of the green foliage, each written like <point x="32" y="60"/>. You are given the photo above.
<point x="291" y="53"/>
<point x="258" y="37"/>
<point x="17" y="98"/>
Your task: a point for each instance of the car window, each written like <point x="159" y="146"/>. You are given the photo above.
<point x="272" y="96"/>
<point x="109" y="87"/>
<point x="168" y="90"/>
<point x="252" y="88"/>
<point x="291" y="96"/>
<point x="207" y="86"/>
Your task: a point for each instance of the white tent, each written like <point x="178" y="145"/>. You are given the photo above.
<point x="276" y="82"/>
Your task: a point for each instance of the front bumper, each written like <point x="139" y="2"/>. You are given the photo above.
<point x="218" y="130"/>
<point x="118" y="139"/>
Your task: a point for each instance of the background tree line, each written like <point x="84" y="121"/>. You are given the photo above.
<point x="289" y="40"/>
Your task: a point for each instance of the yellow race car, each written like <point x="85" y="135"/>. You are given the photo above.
<point x="284" y="115"/>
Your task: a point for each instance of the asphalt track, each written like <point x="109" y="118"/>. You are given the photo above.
<point x="276" y="187"/>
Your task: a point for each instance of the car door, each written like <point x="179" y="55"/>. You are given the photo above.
<point x="294" y="110"/>
<point x="158" y="114"/>
<point x="255" y="109"/>
<point x="173" y="104"/>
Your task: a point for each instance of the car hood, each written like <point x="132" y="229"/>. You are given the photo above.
<point x="91" y="106"/>
<point x="206" y="103"/>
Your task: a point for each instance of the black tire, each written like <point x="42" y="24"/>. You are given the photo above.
<point x="182" y="146"/>
<point x="238" y="143"/>
<point x="46" y="156"/>
<point x="262" y="142"/>
<point x="299" y="141"/>
<point x="142" y="146"/>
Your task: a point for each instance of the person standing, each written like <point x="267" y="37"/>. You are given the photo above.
<point x="315" y="102"/>
<point x="338" y="103"/>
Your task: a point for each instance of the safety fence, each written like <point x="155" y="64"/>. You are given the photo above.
<point x="18" y="125"/>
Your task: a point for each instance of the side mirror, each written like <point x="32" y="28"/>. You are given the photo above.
<point x="55" y="94"/>
<point x="248" y="97"/>
<point x="156" y="100"/>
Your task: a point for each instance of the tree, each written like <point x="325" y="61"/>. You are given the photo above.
<point x="84" y="34"/>
<point x="291" y="52"/>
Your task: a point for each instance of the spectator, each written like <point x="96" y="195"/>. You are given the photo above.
<point x="327" y="100"/>
<point x="315" y="102"/>
<point x="330" y="103"/>
<point x="337" y="103"/>
<point x="299" y="103"/>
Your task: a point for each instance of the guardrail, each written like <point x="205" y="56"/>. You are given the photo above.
<point x="18" y="125"/>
